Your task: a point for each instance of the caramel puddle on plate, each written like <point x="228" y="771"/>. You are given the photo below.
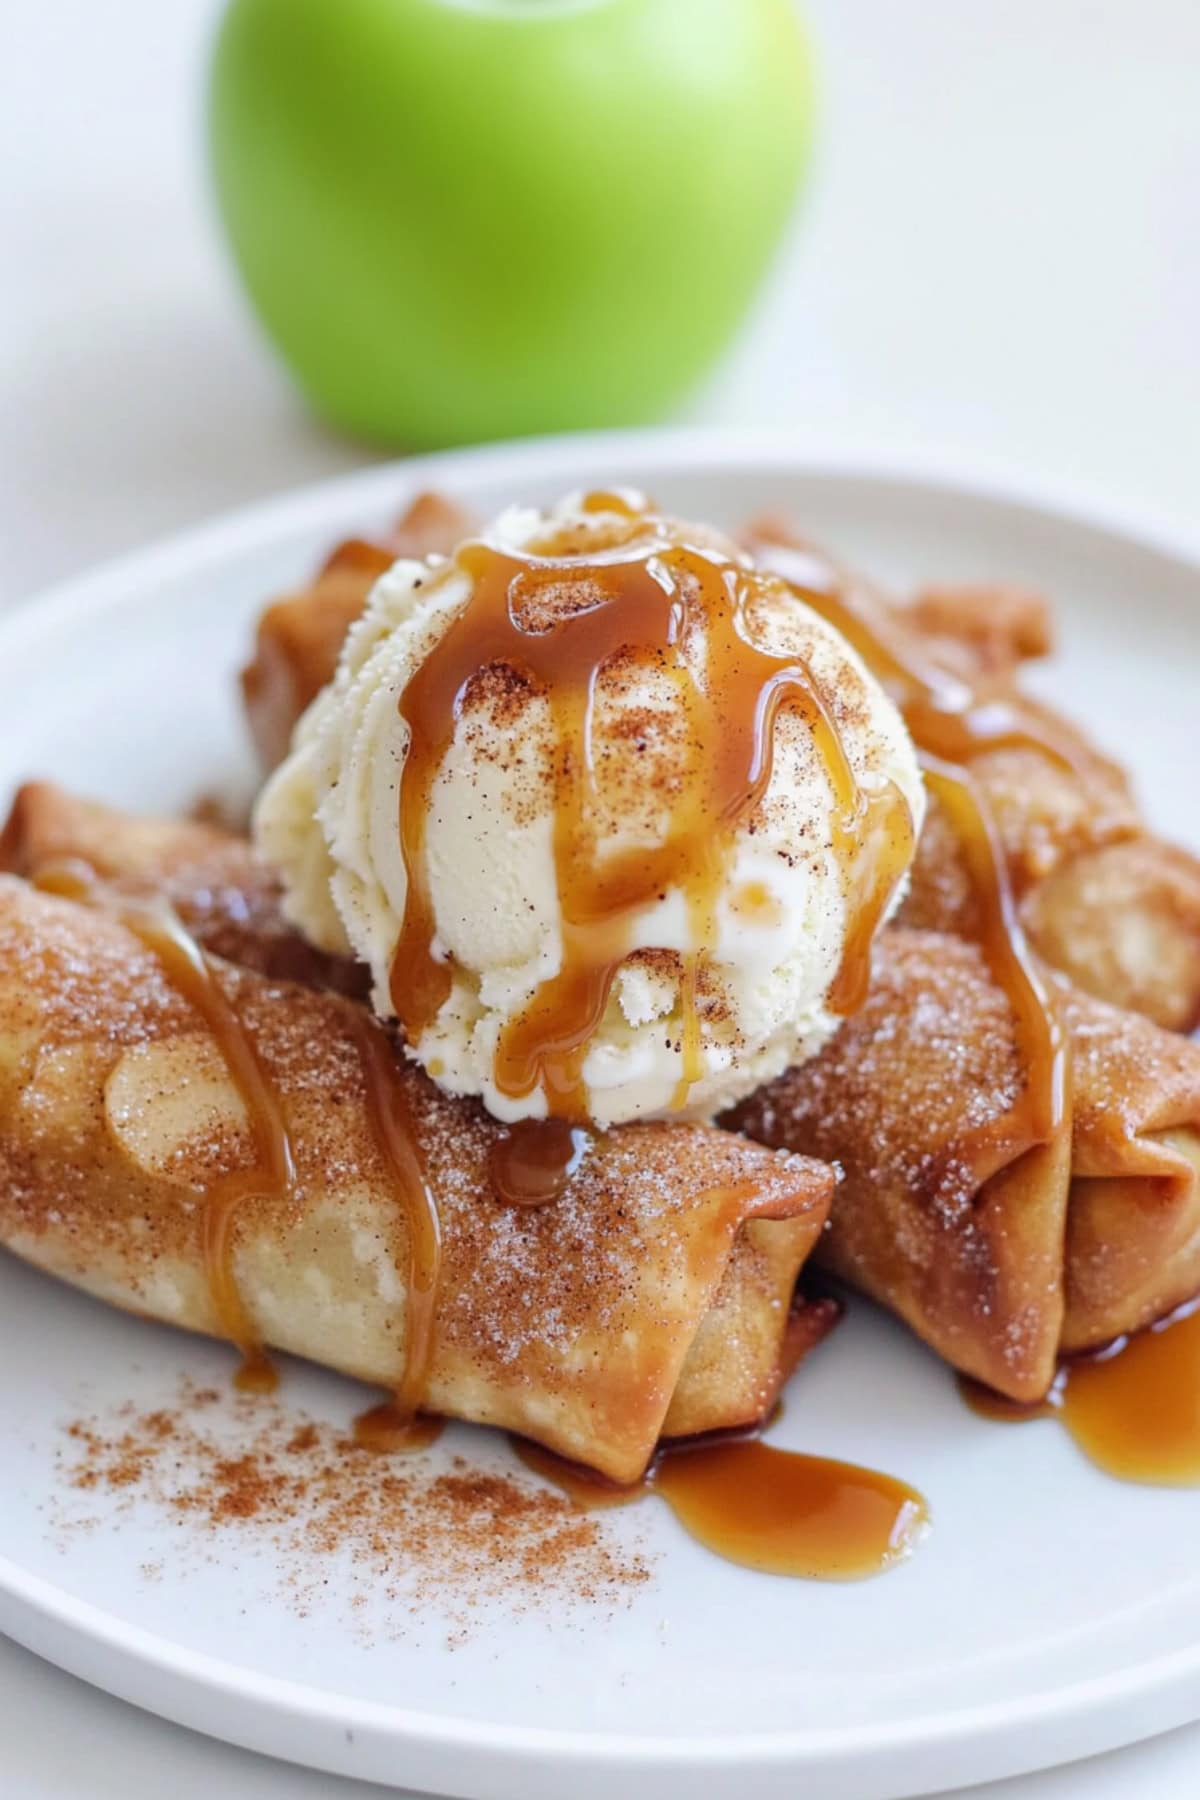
<point x="774" y="1510"/>
<point x="1133" y="1408"/>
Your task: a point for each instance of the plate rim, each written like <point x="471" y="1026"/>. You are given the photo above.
<point x="706" y="449"/>
<point x="154" y="1653"/>
<point x="144" y="1655"/>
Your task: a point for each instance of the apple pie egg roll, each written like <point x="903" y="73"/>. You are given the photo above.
<point x="1104" y="900"/>
<point x="1003" y="1250"/>
<point x="652" y="1297"/>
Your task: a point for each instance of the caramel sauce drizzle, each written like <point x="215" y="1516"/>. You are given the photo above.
<point x="950" y="725"/>
<point x="532" y="1161"/>
<point x="1041" y="1038"/>
<point x="643" y="594"/>
<point x="946" y="717"/>
<point x="1133" y="1408"/>
<point x="398" y="1423"/>
<point x="390" y="1429"/>
<point x="156" y="925"/>
<point x="623" y="502"/>
<point x="273" y="1176"/>
<point x="778" y="1511"/>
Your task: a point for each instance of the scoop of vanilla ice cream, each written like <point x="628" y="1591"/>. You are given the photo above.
<point x="328" y="819"/>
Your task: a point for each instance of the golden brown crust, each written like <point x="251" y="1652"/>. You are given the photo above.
<point x="1109" y="904"/>
<point x="979" y="631"/>
<point x="1002" y="1254"/>
<point x="1044" y="814"/>
<point x="1123" y="921"/>
<point x="943" y="1213"/>
<point x="995" y="625"/>
<point x="572" y="1323"/>
<point x="1133" y="1236"/>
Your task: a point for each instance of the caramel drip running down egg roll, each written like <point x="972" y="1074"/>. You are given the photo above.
<point x="1101" y="897"/>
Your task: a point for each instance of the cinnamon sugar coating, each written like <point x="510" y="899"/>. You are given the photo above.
<point x="1133" y="1225"/>
<point x="1122" y="920"/>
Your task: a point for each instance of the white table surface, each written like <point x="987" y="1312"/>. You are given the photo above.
<point x="999" y="262"/>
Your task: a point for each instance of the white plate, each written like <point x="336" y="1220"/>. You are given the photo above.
<point x="1051" y="1613"/>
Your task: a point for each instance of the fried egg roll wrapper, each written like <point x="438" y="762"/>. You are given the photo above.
<point x="944" y="1213"/>
<point x="226" y="895"/>
<point x="1108" y="904"/>
<point x="652" y="1297"/>
<point x="983" y="630"/>
<point x="300" y="635"/>
<point x="1002" y="1253"/>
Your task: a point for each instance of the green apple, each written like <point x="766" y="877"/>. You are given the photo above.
<point x="464" y="219"/>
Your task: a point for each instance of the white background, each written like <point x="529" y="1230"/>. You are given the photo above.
<point x="999" y="262"/>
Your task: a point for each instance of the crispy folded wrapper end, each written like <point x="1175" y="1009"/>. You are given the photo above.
<point x="593" y="1324"/>
<point x="1001" y="1254"/>
<point x="979" y="630"/>
<point x="1110" y="906"/>
<point x="46" y="823"/>
<point x="1123" y="921"/>
<point x="997" y="624"/>
<point x="945" y="1213"/>
<point x="1133" y="1232"/>
<point x="1043" y="812"/>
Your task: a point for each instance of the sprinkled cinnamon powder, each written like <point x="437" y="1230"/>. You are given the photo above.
<point x="409" y="1530"/>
